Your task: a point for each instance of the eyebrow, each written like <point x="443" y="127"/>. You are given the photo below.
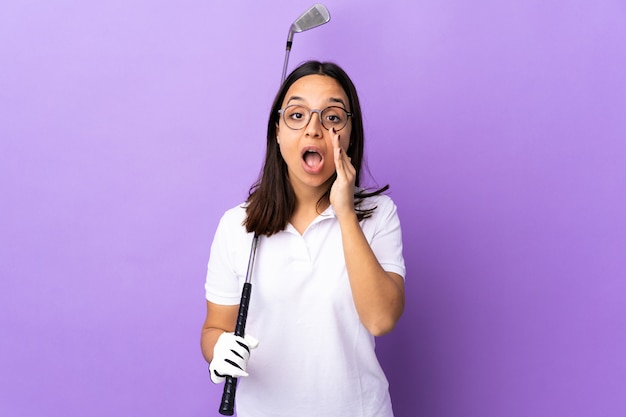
<point x="332" y="100"/>
<point x="337" y="100"/>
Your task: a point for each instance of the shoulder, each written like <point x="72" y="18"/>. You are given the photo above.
<point x="381" y="203"/>
<point x="231" y="234"/>
<point x="235" y="216"/>
<point x="382" y="200"/>
<point x="384" y="214"/>
<point x="230" y="227"/>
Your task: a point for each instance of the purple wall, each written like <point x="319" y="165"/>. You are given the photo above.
<point x="127" y="128"/>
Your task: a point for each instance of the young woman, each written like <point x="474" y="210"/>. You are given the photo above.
<point x="329" y="271"/>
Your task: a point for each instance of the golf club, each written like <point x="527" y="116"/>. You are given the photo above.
<point x="317" y="15"/>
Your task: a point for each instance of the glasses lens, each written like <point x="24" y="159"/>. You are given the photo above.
<point x="296" y="117"/>
<point x="334" y="117"/>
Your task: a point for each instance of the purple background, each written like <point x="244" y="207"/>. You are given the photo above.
<point x="128" y="127"/>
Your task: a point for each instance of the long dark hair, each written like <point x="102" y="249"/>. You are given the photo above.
<point x="271" y="200"/>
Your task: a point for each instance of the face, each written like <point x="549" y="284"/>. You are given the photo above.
<point x="308" y="152"/>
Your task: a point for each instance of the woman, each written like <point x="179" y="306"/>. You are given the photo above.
<point x="329" y="271"/>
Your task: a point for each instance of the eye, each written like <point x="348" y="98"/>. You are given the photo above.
<point x="334" y="115"/>
<point x="295" y="112"/>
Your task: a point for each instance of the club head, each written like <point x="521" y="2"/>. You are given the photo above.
<point x="317" y="15"/>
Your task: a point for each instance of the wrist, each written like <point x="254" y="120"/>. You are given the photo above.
<point x="347" y="218"/>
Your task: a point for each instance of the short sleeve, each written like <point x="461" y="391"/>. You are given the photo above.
<point x="225" y="276"/>
<point x="386" y="236"/>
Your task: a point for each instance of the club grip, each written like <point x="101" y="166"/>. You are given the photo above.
<point x="227" y="406"/>
<point x="242" y="316"/>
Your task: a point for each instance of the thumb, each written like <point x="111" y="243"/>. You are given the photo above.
<point x="251" y="341"/>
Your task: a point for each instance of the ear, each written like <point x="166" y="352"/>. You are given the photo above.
<point x="277" y="134"/>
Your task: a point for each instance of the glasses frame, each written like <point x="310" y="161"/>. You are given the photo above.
<point x="319" y="116"/>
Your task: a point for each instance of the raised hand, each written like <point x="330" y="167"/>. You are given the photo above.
<point x="342" y="190"/>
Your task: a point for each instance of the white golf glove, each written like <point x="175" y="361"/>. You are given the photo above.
<point x="230" y="356"/>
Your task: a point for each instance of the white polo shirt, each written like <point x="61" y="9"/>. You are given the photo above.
<point x="315" y="358"/>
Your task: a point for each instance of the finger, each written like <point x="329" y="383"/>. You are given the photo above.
<point x="335" y="137"/>
<point x="337" y="151"/>
<point x="251" y="341"/>
<point x="240" y="374"/>
<point x="340" y="164"/>
<point x="343" y="164"/>
<point x="346" y="161"/>
<point x="216" y="377"/>
<point x="340" y="153"/>
<point x="238" y="354"/>
<point x="230" y="370"/>
<point x="245" y="342"/>
<point x="222" y="368"/>
<point x="336" y="142"/>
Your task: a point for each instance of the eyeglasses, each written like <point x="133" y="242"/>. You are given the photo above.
<point x="297" y="117"/>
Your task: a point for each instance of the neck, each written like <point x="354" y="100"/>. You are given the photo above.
<point x="307" y="211"/>
<point x="310" y="202"/>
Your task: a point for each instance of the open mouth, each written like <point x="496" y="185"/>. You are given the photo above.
<point x="312" y="158"/>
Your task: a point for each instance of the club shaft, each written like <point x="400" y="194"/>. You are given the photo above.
<point x="282" y="79"/>
<point x="227" y="406"/>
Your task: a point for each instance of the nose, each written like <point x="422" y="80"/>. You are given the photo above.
<point x="314" y="127"/>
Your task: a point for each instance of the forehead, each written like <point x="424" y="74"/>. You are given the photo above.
<point x="316" y="90"/>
